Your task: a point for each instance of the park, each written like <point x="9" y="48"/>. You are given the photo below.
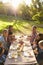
<point x="21" y="31"/>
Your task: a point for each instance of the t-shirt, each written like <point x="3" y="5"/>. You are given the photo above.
<point x="3" y="42"/>
<point x="40" y="54"/>
<point x="33" y="36"/>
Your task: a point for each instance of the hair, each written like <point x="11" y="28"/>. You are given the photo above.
<point x="5" y="30"/>
<point x="41" y="43"/>
<point x="10" y="26"/>
<point x="41" y="36"/>
<point x="34" y="26"/>
<point x="10" y="33"/>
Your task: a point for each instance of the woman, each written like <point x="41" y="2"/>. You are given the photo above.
<point x="34" y="34"/>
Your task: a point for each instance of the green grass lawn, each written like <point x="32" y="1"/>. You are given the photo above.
<point x="20" y="26"/>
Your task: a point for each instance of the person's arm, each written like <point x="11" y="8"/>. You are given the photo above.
<point x="35" y="51"/>
<point x="2" y="52"/>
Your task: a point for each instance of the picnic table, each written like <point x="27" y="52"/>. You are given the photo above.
<point x="21" y="54"/>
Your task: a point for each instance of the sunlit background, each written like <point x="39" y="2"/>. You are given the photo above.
<point x="22" y="14"/>
<point x="15" y="3"/>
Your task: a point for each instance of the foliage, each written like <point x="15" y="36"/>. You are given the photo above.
<point x="38" y="16"/>
<point x="34" y="11"/>
<point x="21" y="26"/>
<point x="24" y="12"/>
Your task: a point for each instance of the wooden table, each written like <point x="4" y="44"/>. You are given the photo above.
<point x="21" y="59"/>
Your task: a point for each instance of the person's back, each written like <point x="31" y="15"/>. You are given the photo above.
<point x="40" y="51"/>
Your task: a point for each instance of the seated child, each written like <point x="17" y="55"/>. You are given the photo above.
<point x="2" y="56"/>
<point x="37" y="39"/>
<point x="33" y="34"/>
<point x="38" y="47"/>
<point x="1" y="49"/>
<point x="40" y="50"/>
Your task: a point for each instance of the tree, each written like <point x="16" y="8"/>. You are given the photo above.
<point x="24" y="11"/>
<point x="37" y="10"/>
<point x="38" y="16"/>
<point x="36" y="6"/>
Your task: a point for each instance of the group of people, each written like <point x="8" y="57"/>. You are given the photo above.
<point x="37" y="44"/>
<point x="5" y="41"/>
<point x="7" y="37"/>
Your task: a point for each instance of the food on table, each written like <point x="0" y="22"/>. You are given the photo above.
<point x="26" y="48"/>
<point x="13" y="47"/>
<point x="12" y="55"/>
<point x="26" y="54"/>
<point x="21" y="42"/>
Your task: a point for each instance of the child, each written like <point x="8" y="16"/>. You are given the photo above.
<point x="37" y="39"/>
<point x="2" y="56"/>
<point x="40" y="51"/>
<point x="1" y="49"/>
<point x="41" y="44"/>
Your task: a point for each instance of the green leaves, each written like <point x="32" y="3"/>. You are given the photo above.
<point x="38" y="16"/>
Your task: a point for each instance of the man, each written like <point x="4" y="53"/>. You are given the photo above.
<point x="10" y="30"/>
<point x="10" y="33"/>
<point x="3" y="39"/>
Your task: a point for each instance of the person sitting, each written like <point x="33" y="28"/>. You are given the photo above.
<point x="37" y="39"/>
<point x="40" y="52"/>
<point x="13" y="38"/>
<point x="1" y="49"/>
<point x="3" y="39"/>
<point x="34" y="34"/>
<point x="9" y="39"/>
<point x="2" y="56"/>
<point x="35" y="46"/>
<point x="10" y="29"/>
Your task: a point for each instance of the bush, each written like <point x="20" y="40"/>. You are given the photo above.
<point x="38" y="16"/>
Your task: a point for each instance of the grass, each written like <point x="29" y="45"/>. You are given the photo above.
<point x="20" y="26"/>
